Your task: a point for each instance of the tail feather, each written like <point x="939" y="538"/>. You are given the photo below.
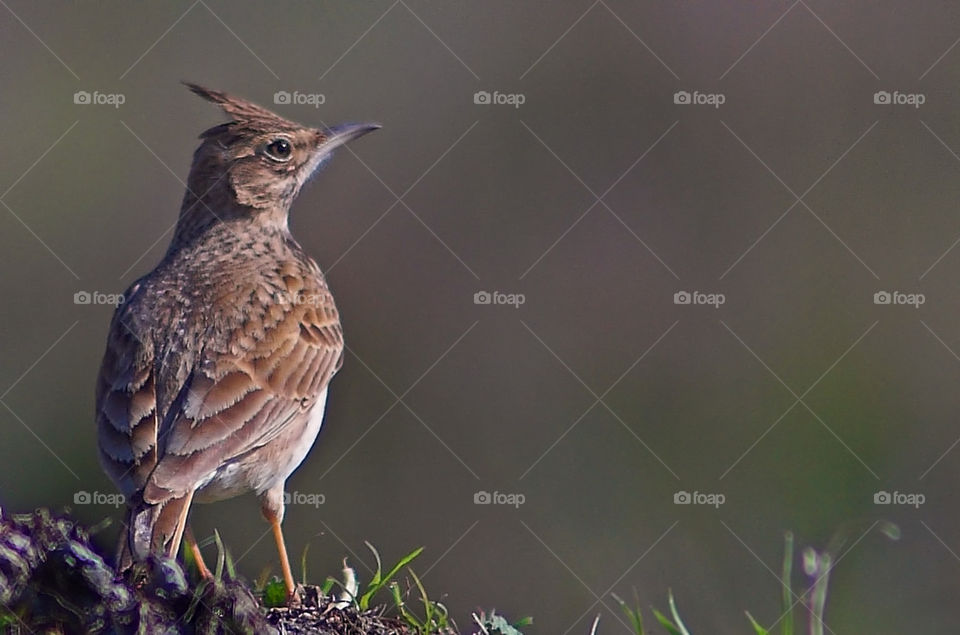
<point x="150" y="528"/>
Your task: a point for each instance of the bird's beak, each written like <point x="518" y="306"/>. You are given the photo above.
<point x="336" y="136"/>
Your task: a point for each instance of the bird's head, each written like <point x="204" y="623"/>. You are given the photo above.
<point x="258" y="161"/>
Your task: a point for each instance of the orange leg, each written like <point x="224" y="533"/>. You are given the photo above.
<point x="284" y="561"/>
<point x="181" y="525"/>
<point x="197" y="556"/>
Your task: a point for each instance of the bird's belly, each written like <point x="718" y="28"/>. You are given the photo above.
<point x="298" y="443"/>
<point x="266" y="466"/>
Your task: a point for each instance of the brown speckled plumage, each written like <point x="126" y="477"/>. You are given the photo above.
<point x="217" y="362"/>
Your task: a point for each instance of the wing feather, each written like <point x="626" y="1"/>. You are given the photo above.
<point x="235" y="394"/>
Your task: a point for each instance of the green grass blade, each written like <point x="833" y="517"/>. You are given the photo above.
<point x="636" y="619"/>
<point x="676" y="616"/>
<point x="375" y="580"/>
<point x="666" y="623"/>
<point x="231" y="567"/>
<point x="379" y="580"/>
<point x="407" y="616"/>
<point x="221" y="556"/>
<point x="756" y="626"/>
<point x="889" y="530"/>
<point x="262" y="580"/>
<point x="820" y="595"/>
<point x="303" y="564"/>
<point x="427" y="604"/>
<point x="786" y="627"/>
<point x="404" y="561"/>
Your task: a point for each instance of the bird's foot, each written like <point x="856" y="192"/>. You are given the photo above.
<point x="294" y="597"/>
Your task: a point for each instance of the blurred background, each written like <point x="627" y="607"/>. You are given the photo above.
<point x="578" y="165"/>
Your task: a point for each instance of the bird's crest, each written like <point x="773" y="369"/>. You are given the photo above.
<point x="244" y="114"/>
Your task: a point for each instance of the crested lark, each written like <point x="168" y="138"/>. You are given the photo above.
<point x="217" y="363"/>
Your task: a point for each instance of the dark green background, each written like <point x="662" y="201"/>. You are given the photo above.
<point x="598" y="80"/>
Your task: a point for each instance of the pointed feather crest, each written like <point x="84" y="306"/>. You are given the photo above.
<point x="242" y="112"/>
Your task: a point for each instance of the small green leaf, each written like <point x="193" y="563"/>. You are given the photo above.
<point x="498" y="625"/>
<point x="327" y="585"/>
<point x="274" y="594"/>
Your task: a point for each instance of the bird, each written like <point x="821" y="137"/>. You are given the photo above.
<point x="217" y="363"/>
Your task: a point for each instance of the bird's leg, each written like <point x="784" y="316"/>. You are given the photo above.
<point x="272" y="509"/>
<point x="197" y="556"/>
<point x="284" y="561"/>
<point x="181" y="525"/>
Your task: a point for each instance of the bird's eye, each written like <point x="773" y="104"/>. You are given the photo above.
<point x="279" y="150"/>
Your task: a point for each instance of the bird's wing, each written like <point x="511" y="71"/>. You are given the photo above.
<point x="258" y="374"/>
<point x="126" y="403"/>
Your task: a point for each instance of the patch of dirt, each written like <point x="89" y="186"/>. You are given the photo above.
<point x="52" y="580"/>
<point x="320" y="615"/>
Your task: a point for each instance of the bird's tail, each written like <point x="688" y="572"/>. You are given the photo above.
<point x="152" y="528"/>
